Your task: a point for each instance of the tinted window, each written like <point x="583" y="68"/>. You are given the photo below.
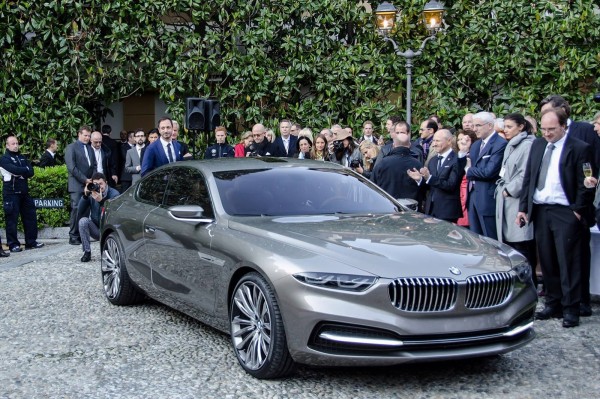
<point x="298" y="191"/>
<point x="152" y="189"/>
<point x="187" y="187"/>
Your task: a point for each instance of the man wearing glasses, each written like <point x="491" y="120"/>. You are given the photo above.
<point x="483" y="169"/>
<point x="133" y="162"/>
<point x="261" y="147"/>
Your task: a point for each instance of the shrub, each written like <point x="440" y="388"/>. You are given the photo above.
<point x="48" y="183"/>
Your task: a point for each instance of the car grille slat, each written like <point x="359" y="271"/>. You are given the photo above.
<point x="423" y="294"/>
<point x="436" y="294"/>
<point x="488" y="290"/>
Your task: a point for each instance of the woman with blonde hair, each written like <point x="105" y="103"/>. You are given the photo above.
<point x="270" y="135"/>
<point x="243" y="147"/>
<point x="369" y="152"/>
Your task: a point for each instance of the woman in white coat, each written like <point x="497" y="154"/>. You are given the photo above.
<point x="518" y="133"/>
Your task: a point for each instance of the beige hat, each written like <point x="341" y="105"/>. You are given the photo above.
<point x="341" y="135"/>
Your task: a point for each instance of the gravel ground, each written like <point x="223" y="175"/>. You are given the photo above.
<point x="59" y="338"/>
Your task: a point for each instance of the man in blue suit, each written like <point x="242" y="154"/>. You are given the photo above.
<point x="285" y="145"/>
<point x="483" y="169"/>
<point x="443" y="177"/>
<point x="164" y="150"/>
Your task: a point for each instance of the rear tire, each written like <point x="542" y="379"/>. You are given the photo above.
<point x="257" y="332"/>
<point x="118" y="287"/>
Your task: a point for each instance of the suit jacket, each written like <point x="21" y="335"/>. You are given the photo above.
<point x="77" y="165"/>
<point x="132" y="162"/>
<point x="279" y="147"/>
<point x="125" y="176"/>
<point x="575" y="152"/>
<point x="585" y="132"/>
<point x="444" y="187"/>
<point x="484" y="172"/>
<point x="108" y="166"/>
<point x="390" y="174"/>
<point x="47" y="160"/>
<point x="155" y="156"/>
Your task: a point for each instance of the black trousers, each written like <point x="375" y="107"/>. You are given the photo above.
<point x="529" y="250"/>
<point x="16" y="205"/>
<point x="559" y="236"/>
<point x="73" y="221"/>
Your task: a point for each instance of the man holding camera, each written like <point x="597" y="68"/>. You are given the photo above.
<point x="94" y="195"/>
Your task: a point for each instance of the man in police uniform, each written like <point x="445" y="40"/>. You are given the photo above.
<point x="16" y="171"/>
<point x="221" y="149"/>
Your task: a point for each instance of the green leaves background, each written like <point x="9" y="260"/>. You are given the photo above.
<point x="318" y="62"/>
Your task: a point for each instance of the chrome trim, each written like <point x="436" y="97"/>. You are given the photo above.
<point x="329" y="336"/>
<point x="518" y="330"/>
<point x="423" y="294"/>
<point x="488" y="290"/>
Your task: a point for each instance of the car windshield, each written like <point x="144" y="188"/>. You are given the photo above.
<point x="299" y="191"/>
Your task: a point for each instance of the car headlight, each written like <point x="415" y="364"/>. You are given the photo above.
<point x="523" y="272"/>
<point x="334" y="281"/>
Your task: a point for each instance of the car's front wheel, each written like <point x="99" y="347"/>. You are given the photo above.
<point x="257" y="331"/>
<point x="118" y="287"/>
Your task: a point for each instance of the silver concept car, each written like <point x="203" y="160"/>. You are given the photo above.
<point x="307" y="262"/>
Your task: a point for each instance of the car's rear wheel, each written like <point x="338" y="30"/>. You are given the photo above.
<point x="118" y="287"/>
<point x="257" y="331"/>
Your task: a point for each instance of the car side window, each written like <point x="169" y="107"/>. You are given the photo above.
<point x="187" y="187"/>
<point x="152" y="189"/>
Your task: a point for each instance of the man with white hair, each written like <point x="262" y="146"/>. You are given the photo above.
<point x="483" y="170"/>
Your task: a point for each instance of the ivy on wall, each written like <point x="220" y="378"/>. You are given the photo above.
<point x="318" y="62"/>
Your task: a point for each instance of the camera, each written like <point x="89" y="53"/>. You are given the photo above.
<point x="355" y="163"/>
<point x="597" y="98"/>
<point x="93" y="187"/>
<point x="338" y="146"/>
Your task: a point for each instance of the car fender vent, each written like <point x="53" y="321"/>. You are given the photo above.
<point x="423" y="294"/>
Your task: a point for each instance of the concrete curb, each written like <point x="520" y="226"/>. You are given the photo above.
<point x="45" y="233"/>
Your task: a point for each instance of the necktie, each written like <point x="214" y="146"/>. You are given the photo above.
<point x="87" y="155"/>
<point x="482" y="147"/>
<point x="439" y="165"/>
<point x="541" y="182"/>
<point x="286" y="143"/>
<point x="170" y="153"/>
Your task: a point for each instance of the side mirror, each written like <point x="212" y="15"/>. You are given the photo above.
<point x="408" y="203"/>
<point x="189" y="213"/>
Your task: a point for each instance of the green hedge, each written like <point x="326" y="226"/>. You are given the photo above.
<point x="48" y="183"/>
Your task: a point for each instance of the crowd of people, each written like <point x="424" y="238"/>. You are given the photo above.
<point x="493" y="175"/>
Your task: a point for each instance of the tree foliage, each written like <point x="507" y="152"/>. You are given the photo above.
<point x="316" y="62"/>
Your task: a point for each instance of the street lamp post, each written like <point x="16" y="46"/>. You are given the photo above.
<point x="433" y="18"/>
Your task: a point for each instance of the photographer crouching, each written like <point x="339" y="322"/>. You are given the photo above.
<point x="94" y="195"/>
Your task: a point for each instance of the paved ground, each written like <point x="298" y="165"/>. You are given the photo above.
<point x="59" y="338"/>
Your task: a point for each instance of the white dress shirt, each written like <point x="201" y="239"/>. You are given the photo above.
<point x="553" y="192"/>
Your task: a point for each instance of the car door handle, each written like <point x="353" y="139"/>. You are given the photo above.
<point x="150" y="230"/>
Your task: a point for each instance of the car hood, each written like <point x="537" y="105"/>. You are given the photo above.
<point x="388" y="245"/>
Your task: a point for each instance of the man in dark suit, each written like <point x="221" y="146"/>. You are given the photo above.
<point x="47" y="158"/>
<point x="163" y="150"/>
<point x="285" y="145"/>
<point x="126" y="177"/>
<point x="555" y="198"/>
<point x="483" y="170"/>
<point x="391" y="172"/>
<point x="114" y="147"/>
<point x="81" y="165"/>
<point x="104" y="159"/>
<point x="443" y="176"/>
<point x="583" y="131"/>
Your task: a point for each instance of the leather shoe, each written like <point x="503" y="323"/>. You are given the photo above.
<point x="34" y="246"/>
<point x="87" y="256"/>
<point x="4" y="254"/>
<point x="16" y="249"/>
<point x="74" y="241"/>
<point x="570" y="320"/>
<point x="585" y="310"/>
<point x="548" y="313"/>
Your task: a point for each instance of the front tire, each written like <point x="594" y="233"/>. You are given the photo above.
<point x="118" y="287"/>
<point x="257" y="332"/>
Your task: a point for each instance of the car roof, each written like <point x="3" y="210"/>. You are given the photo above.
<point x="226" y="164"/>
